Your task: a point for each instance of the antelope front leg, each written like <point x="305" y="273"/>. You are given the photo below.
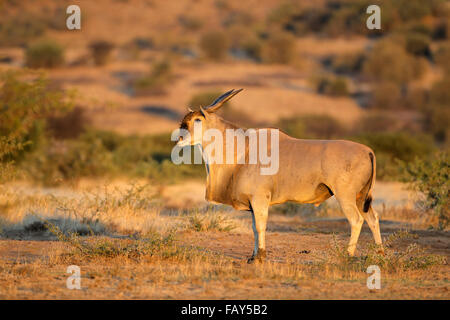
<point x="259" y="217"/>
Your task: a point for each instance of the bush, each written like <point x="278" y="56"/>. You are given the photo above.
<point x="312" y="127"/>
<point x="101" y="51"/>
<point x="215" y="45"/>
<point x="437" y="111"/>
<point x="310" y="19"/>
<point x="387" y="95"/>
<point x="283" y="13"/>
<point x="18" y="30"/>
<point x="190" y="23"/>
<point x="418" y="44"/>
<point x="441" y="31"/>
<point x="67" y="125"/>
<point x="413" y="10"/>
<point x="155" y="82"/>
<point x="416" y="98"/>
<point x="45" y="54"/>
<point x="57" y="162"/>
<point x="413" y="257"/>
<point x="432" y="178"/>
<point x="23" y="107"/>
<point x="101" y="153"/>
<point x="388" y="61"/>
<point x="378" y="122"/>
<point x="279" y="48"/>
<point x="437" y="118"/>
<point x="349" y="18"/>
<point x="246" y="43"/>
<point x="348" y="63"/>
<point x="253" y="48"/>
<point x="333" y="86"/>
<point x="391" y="147"/>
<point x="442" y="58"/>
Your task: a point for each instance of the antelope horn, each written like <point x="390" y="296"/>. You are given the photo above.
<point x="221" y="100"/>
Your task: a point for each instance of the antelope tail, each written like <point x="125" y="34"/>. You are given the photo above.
<point x="368" y="197"/>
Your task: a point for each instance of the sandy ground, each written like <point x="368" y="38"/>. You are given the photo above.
<point x="289" y="241"/>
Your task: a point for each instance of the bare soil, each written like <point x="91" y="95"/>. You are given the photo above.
<point x="32" y="269"/>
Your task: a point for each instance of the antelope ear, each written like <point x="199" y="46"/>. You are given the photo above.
<point x="189" y="109"/>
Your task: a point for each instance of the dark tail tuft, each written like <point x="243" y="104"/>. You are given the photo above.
<point x="367" y="203"/>
<point x="368" y="200"/>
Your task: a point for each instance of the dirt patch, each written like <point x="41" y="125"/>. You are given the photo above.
<point x="37" y="269"/>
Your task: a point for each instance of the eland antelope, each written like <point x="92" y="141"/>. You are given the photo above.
<point x="310" y="171"/>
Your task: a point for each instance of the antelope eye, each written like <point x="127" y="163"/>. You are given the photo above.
<point x="197" y="120"/>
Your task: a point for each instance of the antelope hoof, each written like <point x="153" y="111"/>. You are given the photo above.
<point x="380" y="251"/>
<point x="259" y="257"/>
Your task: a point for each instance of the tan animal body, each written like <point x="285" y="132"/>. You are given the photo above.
<point x="310" y="171"/>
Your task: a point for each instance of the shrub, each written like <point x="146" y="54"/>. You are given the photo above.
<point x="238" y="18"/>
<point x="378" y="122"/>
<point x="215" y="45"/>
<point x="18" y="30"/>
<point x="310" y="19"/>
<point x="348" y="18"/>
<point x="386" y="95"/>
<point x="432" y="178"/>
<point x="413" y="10"/>
<point x="348" y="63"/>
<point x="413" y="257"/>
<point x="246" y="42"/>
<point x="416" y="98"/>
<point x="388" y="61"/>
<point x="101" y="51"/>
<point x="279" y="48"/>
<point x="441" y="31"/>
<point x="418" y="44"/>
<point x="437" y="118"/>
<point x="282" y="14"/>
<point x="155" y="82"/>
<point x="401" y="145"/>
<point x="62" y="161"/>
<point x="100" y="153"/>
<point x="154" y="244"/>
<point x="23" y="107"/>
<point x="190" y="23"/>
<point x="67" y="125"/>
<point x="333" y="86"/>
<point x="253" y="48"/>
<point x="312" y="127"/>
<point x="210" y="222"/>
<point x="45" y="54"/>
<point x="442" y="57"/>
<point x="389" y="147"/>
<point x="437" y="111"/>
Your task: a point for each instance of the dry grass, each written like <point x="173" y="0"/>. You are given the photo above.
<point x="129" y="246"/>
<point x="105" y="210"/>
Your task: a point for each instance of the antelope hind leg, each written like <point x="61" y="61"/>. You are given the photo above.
<point x="260" y="211"/>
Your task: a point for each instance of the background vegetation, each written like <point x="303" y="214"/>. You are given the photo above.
<point x="400" y="79"/>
